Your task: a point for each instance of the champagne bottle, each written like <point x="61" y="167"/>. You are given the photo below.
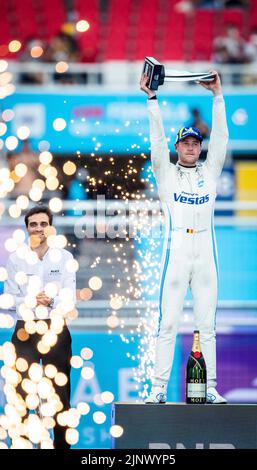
<point x="196" y="376"/>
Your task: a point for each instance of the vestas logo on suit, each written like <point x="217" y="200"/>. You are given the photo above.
<point x="191" y="199"/>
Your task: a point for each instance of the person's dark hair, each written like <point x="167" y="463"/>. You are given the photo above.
<point x="195" y="112"/>
<point x="39" y="210"/>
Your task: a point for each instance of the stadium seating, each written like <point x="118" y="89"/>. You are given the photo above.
<point x="253" y="14"/>
<point x="203" y="34"/>
<point x="127" y="29"/>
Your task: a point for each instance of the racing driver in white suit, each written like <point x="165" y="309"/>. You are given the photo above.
<point x="187" y="191"/>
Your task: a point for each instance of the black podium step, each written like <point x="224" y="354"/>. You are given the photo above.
<point x="181" y="426"/>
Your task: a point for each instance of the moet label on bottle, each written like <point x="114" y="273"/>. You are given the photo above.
<point x="196" y="390"/>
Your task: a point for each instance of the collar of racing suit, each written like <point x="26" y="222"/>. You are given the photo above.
<point x="187" y="167"/>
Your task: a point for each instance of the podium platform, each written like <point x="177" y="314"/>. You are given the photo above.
<point x="182" y="426"/>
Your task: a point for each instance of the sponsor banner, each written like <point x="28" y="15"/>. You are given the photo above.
<point x="107" y="123"/>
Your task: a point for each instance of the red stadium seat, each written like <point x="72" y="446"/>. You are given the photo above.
<point x="202" y="35"/>
<point x="235" y="16"/>
<point x="116" y="42"/>
<point x="174" y="37"/>
<point x="253" y="14"/>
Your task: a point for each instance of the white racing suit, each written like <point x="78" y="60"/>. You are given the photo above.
<point x="189" y="253"/>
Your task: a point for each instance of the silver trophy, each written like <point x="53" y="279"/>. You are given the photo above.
<point x="158" y="75"/>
